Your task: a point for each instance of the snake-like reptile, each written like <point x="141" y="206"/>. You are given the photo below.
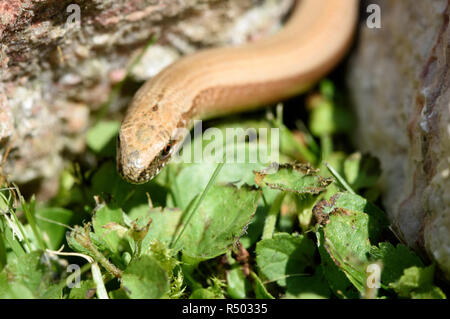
<point x="225" y="80"/>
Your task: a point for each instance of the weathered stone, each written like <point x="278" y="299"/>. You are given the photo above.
<point x="399" y="82"/>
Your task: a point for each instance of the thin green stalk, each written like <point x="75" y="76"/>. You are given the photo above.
<point x="271" y="219"/>
<point x="339" y="178"/>
<point x="29" y="213"/>
<point x="84" y="240"/>
<point x="98" y="280"/>
<point x="112" y="269"/>
<point x="199" y="201"/>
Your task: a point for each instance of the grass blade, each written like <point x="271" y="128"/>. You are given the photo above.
<point x="199" y="201"/>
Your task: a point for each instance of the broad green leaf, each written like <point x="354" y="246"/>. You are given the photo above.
<point x="377" y="220"/>
<point x="28" y="276"/>
<point x="220" y="220"/>
<point x="103" y="218"/>
<point x="337" y="280"/>
<point x="13" y="290"/>
<point x="296" y="178"/>
<point x="347" y="241"/>
<point x="102" y="137"/>
<point x="145" y="278"/>
<point x="193" y="179"/>
<point x="238" y="286"/>
<point x="284" y="256"/>
<point x="349" y="224"/>
<point x="164" y="223"/>
<point x="51" y="222"/>
<point x="417" y="283"/>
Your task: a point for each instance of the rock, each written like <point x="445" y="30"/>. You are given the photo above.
<point x="399" y="82"/>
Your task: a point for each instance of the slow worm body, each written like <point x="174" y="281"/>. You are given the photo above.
<point x="225" y="80"/>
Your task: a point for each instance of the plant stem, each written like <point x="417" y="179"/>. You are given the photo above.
<point x="271" y="219"/>
<point x="98" y="280"/>
<point x="85" y="241"/>
<point x="339" y="178"/>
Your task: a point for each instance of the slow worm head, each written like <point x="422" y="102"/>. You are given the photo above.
<point x="226" y="80"/>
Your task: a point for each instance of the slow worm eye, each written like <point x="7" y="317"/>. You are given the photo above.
<point x="166" y="151"/>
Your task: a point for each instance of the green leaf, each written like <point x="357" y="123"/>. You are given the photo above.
<point x="238" y="285"/>
<point x="145" y="278"/>
<point x="394" y="260"/>
<point x="349" y="224"/>
<point x="28" y="276"/>
<point x="347" y="241"/>
<point x="361" y="171"/>
<point x="86" y="289"/>
<point x="103" y="218"/>
<point x="118" y="294"/>
<point x="308" y="287"/>
<point x="284" y="256"/>
<point x="295" y="178"/>
<point x="337" y="280"/>
<point x="204" y="293"/>
<point x="219" y="221"/>
<point x="377" y="220"/>
<point x="101" y="137"/>
<point x="164" y="223"/>
<point x="13" y="290"/>
<point x="53" y="233"/>
<point x="417" y="283"/>
<point x="259" y="288"/>
<point x="193" y="179"/>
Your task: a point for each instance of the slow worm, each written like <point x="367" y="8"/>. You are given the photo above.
<point x="224" y="80"/>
